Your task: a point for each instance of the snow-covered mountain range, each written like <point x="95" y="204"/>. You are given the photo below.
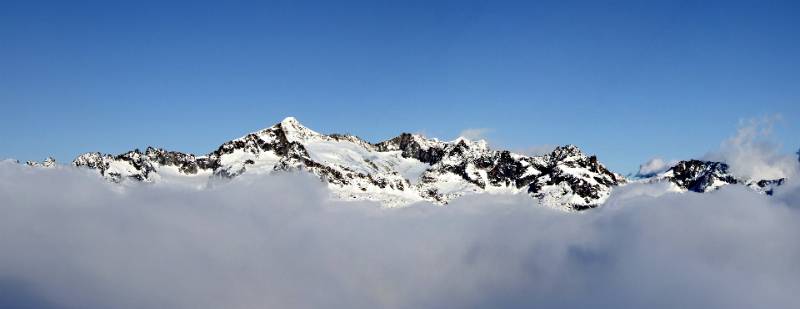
<point x="403" y="170"/>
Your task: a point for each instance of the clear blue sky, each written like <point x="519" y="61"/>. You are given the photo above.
<point x="624" y="80"/>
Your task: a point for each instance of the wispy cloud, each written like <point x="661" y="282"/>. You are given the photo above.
<point x="753" y="152"/>
<point x="655" y="165"/>
<point x="475" y="133"/>
<point x="537" y="150"/>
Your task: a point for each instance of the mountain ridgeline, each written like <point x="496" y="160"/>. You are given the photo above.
<point x="403" y="170"/>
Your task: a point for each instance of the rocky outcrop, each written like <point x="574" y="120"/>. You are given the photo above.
<point x="705" y="176"/>
<point x="48" y="162"/>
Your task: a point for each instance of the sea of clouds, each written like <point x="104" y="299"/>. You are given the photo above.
<point x="68" y="239"/>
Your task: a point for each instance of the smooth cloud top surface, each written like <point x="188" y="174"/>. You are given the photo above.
<point x="70" y="240"/>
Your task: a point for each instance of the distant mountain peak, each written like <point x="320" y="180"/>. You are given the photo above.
<point x="290" y="119"/>
<point x="296" y="131"/>
<point x="566" y="151"/>
<point x="478" y="143"/>
<point x="706" y="176"/>
<point x="48" y="162"/>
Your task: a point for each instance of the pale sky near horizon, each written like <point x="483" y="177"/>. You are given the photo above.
<point x="626" y="80"/>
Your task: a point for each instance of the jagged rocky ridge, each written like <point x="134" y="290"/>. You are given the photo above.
<point x="48" y="162"/>
<point x="406" y="169"/>
<point x="403" y="170"/>
<point x="705" y="176"/>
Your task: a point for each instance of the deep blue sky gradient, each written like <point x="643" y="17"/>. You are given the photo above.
<point x="624" y="80"/>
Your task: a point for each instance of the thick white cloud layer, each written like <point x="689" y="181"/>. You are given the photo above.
<point x="70" y="240"/>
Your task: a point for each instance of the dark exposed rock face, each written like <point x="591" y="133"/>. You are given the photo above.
<point x="414" y="147"/>
<point x="705" y="176"/>
<point x="700" y="176"/>
<point x="141" y="164"/>
<point x="504" y="170"/>
<point x="591" y="184"/>
<point x="768" y="186"/>
<point x="565" y="178"/>
<point x="186" y="163"/>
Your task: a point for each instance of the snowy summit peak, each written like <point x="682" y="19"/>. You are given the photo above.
<point x="296" y="131"/>
<point x="478" y="144"/>
<point x="567" y="151"/>
<point x="48" y="162"/>
<point x="290" y="120"/>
